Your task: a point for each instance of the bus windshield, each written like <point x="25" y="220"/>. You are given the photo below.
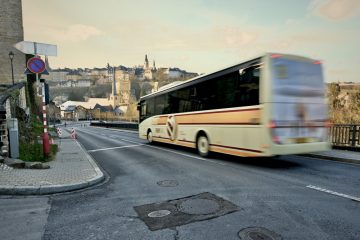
<point x="295" y="79"/>
<point x="298" y="108"/>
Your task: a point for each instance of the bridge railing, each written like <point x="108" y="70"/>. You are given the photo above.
<point x="345" y="136"/>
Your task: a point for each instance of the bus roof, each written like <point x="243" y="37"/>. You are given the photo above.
<point x="219" y="72"/>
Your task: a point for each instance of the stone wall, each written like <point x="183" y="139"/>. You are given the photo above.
<point x="11" y="32"/>
<point x="6" y="112"/>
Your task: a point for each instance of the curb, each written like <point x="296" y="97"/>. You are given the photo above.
<point x="60" y="188"/>
<point x="335" y="159"/>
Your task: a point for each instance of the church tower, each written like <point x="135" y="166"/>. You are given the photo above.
<point x="146" y="64"/>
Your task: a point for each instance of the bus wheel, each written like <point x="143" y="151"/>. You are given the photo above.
<point x="203" y="146"/>
<point x="150" y="137"/>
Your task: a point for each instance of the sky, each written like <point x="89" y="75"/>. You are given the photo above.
<point x="197" y="35"/>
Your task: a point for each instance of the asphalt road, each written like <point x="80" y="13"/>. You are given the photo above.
<point x="290" y="197"/>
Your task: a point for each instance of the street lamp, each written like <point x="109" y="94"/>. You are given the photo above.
<point x="11" y="56"/>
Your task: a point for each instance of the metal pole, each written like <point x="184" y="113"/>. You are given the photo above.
<point x="12" y="71"/>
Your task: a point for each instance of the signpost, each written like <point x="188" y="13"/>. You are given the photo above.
<point x="36" y="65"/>
<point x="36" y="48"/>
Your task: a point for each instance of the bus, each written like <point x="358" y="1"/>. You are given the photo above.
<point x="268" y="106"/>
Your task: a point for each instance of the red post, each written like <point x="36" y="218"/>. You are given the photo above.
<point x="46" y="144"/>
<point x="45" y="138"/>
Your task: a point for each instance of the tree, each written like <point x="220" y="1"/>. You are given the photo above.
<point x="334" y="101"/>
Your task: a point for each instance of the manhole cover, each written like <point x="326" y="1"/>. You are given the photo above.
<point x="159" y="213"/>
<point x="199" y="206"/>
<point x="168" y="183"/>
<point x="257" y="233"/>
<point x="181" y="211"/>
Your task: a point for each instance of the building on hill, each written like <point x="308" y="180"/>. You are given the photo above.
<point x="149" y="72"/>
<point x="178" y="73"/>
<point x="120" y="92"/>
<point x="74" y="75"/>
<point x="57" y="75"/>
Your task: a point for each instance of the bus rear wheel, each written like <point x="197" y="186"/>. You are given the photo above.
<point x="150" y="137"/>
<point x="203" y="146"/>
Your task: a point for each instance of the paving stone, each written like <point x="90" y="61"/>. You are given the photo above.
<point x="15" y="163"/>
<point x="65" y="172"/>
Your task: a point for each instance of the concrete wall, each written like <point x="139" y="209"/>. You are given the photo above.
<point x="11" y="32"/>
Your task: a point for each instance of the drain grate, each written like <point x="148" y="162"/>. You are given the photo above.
<point x="168" y="183"/>
<point x="258" y="233"/>
<point x="184" y="210"/>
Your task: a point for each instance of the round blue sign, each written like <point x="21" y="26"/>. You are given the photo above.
<point x="36" y="65"/>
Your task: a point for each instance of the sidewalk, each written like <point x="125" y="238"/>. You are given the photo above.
<point x="337" y="155"/>
<point x="72" y="169"/>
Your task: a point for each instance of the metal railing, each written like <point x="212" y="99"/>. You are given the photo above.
<point x="345" y="136"/>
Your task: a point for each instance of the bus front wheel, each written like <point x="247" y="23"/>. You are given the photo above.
<point x="203" y="146"/>
<point x="150" y="137"/>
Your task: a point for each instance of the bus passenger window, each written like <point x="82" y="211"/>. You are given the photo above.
<point x="150" y="110"/>
<point x="248" y="88"/>
<point x="143" y="109"/>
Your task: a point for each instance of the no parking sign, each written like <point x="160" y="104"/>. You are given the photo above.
<point x="36" y="65"/>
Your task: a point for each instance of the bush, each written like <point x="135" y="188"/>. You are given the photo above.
<point x="33" y="152"/>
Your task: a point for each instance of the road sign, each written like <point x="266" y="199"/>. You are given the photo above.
<point x="36" y="65"/>
<point x="58" y="130"/>
<point x="36" y="48"/>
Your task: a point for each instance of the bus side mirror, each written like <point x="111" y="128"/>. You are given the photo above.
<point x="138" y="107"/>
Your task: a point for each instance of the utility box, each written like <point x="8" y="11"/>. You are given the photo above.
<point x="13" y="131"/>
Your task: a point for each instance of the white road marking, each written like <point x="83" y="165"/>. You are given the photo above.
<point x="182" y="154"/>
<point x="105" y="149"/>
<point x="186" y="155"/>
<point x="334" y="193"/>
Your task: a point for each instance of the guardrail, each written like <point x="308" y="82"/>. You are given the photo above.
<point x="345" y="136"/>
<point x="130" y="126"/>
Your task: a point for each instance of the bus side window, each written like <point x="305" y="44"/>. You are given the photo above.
<point x="248" y="87"/>
<point x="150" y="109"/>
<point x="160" y="104"/>
<point x="143" y="109"/>
<point x="173" y="103"/>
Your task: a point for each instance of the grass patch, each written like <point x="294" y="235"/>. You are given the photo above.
<point x="34" y="152"/>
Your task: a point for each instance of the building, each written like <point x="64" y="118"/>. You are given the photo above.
<point x="149" y="72"/>
<point x="83" y="83"/>
<point x="74" y="75"/>
<point x="121" y="86"/>
<point x="57" y="75"/>
<point x="11" y="32"/>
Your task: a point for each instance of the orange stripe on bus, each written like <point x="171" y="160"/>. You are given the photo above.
<point x="232" y="152"/>
<point x="231" y="117"/>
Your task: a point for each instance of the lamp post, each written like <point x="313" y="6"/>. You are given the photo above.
<point x="11" y="56"/>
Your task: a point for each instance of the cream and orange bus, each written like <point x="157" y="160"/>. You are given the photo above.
<point x="271" y="105"/>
